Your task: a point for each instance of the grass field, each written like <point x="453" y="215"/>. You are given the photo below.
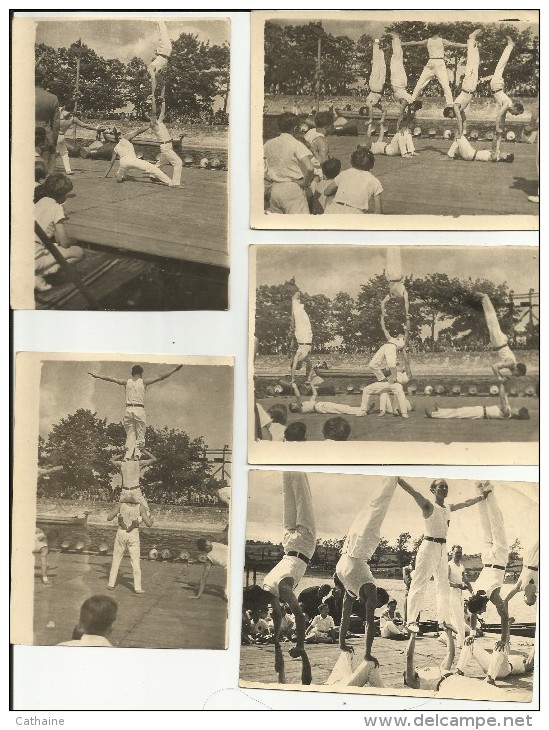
<point x="420" y="428"/>
<point x="162" y="618"/>
<point x="433" y="184"/>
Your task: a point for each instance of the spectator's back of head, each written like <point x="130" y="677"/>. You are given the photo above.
<point x="287" y="122"/>
<point x="331" y="168"/>
<point x="57" y="186"/>
<point x="362" y="159"/>
<point x="323" y="119"/>
<point x="278" y="413"/>
<point x="97" y="615"/>
<point x="296" y="431"/>
<point x="336" y="429"/>
<point x="39" y="171"/>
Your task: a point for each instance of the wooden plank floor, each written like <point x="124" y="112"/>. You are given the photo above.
<point x="161" y="618"/>
<point x="143" y="217"/>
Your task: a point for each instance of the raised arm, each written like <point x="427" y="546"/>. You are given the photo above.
<point x="501" y="607"/>
<point x="383" y="327"/>
<point x="469" y="502"/>
<point x="42" y="472"/>
<point x="79" y="123"/>
<point x="132" y="135"/>
<point x="502" y="115"/>
<point x="344" y="623"/>
<point x="450" y="651"/>
<point x="313" y="397"/>
<point x="115" y="462"/>
<point x="370" y="631"/>
<point x="424" y="504"/>
<point x="414" y="43"/>
<point x="407" y="365"/>
<point x="453" y="44"/>
<point x="297" y="393"/>
<point x="111" y="163"/>
<point x="162" y="111"/>
<point x="113" y="513"/>
<point x="150" y="381"/>
<point x="504" y="400"/>
<point x="108" y="379"/>
<point x="203" y="579"/>
<point x="512" y="593"/>
<point x="277" y="629"/>
<point x="148" y="460"/>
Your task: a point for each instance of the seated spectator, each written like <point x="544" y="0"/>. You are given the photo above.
<point x="279" y="416"/>
<point x="322" y="628"/>
<point x="296" y="431"/>
<point x="97" y="616"/>
<point x="330" y="170"/>
<point x="336" y="429"/>
<point x="391" y="622"/>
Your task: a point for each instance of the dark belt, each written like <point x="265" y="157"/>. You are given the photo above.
<point x="163" y="55"/>
<point x="496" y="90"/>
<point x="533" y="567"/>
<point x="500" y="347"/>
<point x="310" y="344"/>
<point x="474" y="155"/>
<point x="485" y="415"/>
<point x="345" y="205"/>
<point x="444" y="676"/>
<point x="135" y="405"/>
<point x="295" y="554"/>
<point x="496" y="567"/>
<point x="129" y="489"/>
<point x="385" y="152"/>
<point x="440" y="540"/>
<point x="436" y="58"/>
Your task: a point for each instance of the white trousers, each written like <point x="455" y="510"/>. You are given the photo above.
<point x="472" y="413"/>
<point x="435" y="67"/>
<point x="497" y="82"/>
<point x="379" y="70"/>
<point x="129" y="540"/>
<point x="431" y="561"/>
<point x="470" y="77"/>
<point x="495" y="550"/>
<point x="299" y="517"/>
<point x="288" y="198"/>
<point x="456" y="614"/>
<point x="129" y="162"/>
<point x="384" y="387"/>
<point x="135" y="425"/>
<point x="497" y="337"/>
<point x="399" y="80"/>
<point x="168" y="156"/>
<point x="495" y="664"/>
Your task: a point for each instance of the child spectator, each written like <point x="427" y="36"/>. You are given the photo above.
<point x="353" y="188"/>
<point x="330" y="169"/>
<point x="49" y="214"/>
<point x="279" y="417"/>
<point x="322" y="629"/>
<point x="336" y="429"/>
<point x="296" y="431"/>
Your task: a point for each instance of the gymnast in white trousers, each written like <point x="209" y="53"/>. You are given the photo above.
<point x="353" y="573"/>
<point x="432" y="558"/>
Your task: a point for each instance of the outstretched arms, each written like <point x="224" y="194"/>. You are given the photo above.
<point x="470" y="502"/>
<point x="111" y="163"/>
<point x="504" y="401"/>
<point x="148" y="460"/>
<point x="151" y="381"/>
<point x="203" y="579"/>
<point x="344" y="623"/>
<point x="132" y="135"/>
<point x="450" y="651"/>
<point x="424" y="504"/>
<point x="108" y="379"/>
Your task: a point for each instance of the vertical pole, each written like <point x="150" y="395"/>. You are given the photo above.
<point x="530" y="308"/>
<point x="318" y="66"/>
<point x="78" y="47"/>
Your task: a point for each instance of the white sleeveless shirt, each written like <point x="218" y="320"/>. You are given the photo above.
<point x="437" y="524"/>
<point x="135" y="392"/>
<point x="435" y="46"/>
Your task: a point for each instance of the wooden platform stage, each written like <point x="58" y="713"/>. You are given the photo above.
<point x="161" y="618"/>
<point x="188" y="223"/>
<point x="257" y="663"/>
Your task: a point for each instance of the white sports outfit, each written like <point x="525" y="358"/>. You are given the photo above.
<point x="377" y="74"/>
<point x="163" y="51"/>
<point x="362" y="540"/>
<point x="282" y="156"/>
<point x="500" y="662"/>
<point x="497" y="83"/>
<point x="470" y="77"/>
<point x="134" y="420"/>
<point x="393" y="271"/>
<point x="302" y="328"/>
<point x="495" y="552"/>
<point x="399" y="80"/>
<point x="300" y="536"/>
<point x="384" y="358"/>
<point x="530" y="566"/>
<point x="498" y="340"/>
<point x="472" y="413"/>
<point x="129" y="161"/>
<point x="456" y="600"/>
<point x="401" y="144"/>
<point x="432" y="562"/>
<point x="435" y="67"/>
<point x="465" y="151"/>
<point x="329" y="408"/>
<point x="384" y="386"/>
<point x="167" y="154"/>
<point x="130" y="541"/>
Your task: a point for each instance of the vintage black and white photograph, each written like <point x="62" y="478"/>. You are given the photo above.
<point x="122" y="492"/>
<point x="131" y="162"/>
<point x="377" y="112"/>
<point x="390" y="585"/>
<point x="407" y="354"/>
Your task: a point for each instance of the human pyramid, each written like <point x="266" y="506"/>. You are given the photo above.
<point x="354" y="576"/>
<point x="125" y="151"/>
<point x="302" y="177"/>
<point x="391" y="364"/>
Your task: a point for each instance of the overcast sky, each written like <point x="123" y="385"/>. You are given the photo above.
<point x="338" y="497"/>
<point x="323" y="269"/>
<point x="354" y="27"/>
<point x="197" y="399"/>
<point x="124" y="39"/>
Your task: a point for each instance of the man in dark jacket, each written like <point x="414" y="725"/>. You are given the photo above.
<point x="46" y="116"/>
